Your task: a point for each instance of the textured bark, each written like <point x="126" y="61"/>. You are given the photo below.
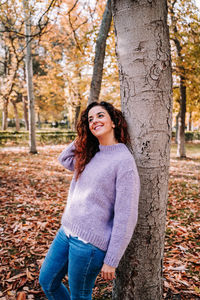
<point x="95" y="87"/>
<point x="143" y="52"/>
<point x="29" y="76"/>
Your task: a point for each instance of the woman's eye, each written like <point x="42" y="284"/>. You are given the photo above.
<point x="100" y="116"/>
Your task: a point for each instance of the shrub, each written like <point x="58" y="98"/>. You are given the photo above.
<point x="44" y="137"/>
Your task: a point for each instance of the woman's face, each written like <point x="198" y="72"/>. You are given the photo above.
<point x="100" y="123"/>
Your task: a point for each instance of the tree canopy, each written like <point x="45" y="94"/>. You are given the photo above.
<point x="63" y="36"/>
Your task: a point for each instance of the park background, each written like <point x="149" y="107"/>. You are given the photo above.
<point x="34" y="188"/>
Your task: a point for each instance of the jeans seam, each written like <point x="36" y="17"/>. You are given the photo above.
<point x="84" y="282"/>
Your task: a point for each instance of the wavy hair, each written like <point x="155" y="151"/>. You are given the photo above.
<point x="87" y="145"/>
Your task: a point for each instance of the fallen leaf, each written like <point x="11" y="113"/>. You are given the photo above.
<point x="21" y="296"/>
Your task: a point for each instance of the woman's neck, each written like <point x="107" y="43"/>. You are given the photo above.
<point x="108" y="141"/>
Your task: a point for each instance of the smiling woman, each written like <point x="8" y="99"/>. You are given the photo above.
<point x="101" y="125"/>
<point x="102" y="205"/>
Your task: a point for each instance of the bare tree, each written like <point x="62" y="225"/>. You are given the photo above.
<point x="100" y="54"/>
<point x="29" y="79"/>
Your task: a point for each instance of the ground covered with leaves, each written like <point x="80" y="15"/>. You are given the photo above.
<point x="182" y="243"/>
<point x="33" y="192"/>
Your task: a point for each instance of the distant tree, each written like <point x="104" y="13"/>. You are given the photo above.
<point x="29" y="78"/>
<point x="100" y="47"/>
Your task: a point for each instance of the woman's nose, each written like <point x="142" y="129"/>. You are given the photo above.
<point x="94" y="120"/>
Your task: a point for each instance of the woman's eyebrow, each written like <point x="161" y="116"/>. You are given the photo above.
<point x="100" y="112"/>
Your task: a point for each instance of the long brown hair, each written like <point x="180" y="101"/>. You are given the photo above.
<point x="87" y="145"/>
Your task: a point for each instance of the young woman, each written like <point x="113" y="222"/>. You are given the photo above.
<point x="102" y="206"/>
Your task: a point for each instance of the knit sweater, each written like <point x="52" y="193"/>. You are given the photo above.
<point x="102" y="205"/>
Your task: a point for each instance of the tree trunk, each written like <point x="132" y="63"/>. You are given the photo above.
<point x="181" y="124"/>
<point x="16" y="116"/>
<point x="95" y="87"/>
<point x="25" y="112"/>
<point x="177" y="121"/>
<point x="190" y="122"/>
<point x="143" y="53"/>
<point x="29" y="76"/>
<point x="5" y="115"/>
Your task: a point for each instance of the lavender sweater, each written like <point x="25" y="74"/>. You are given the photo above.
<point x="102" y="205"/>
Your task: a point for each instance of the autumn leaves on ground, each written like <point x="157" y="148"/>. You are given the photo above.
<point x="33" y="193"/>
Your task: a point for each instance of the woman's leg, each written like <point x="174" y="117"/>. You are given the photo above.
<point x="55" y="267"/>
<point x="85" y="263"/>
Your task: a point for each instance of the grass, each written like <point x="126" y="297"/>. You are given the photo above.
<point x="192" y="150"/>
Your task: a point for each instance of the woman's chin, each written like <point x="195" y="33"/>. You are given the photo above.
<point x="98" y="134"/>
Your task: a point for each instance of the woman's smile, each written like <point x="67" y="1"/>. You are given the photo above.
<point x="97" y="127"/>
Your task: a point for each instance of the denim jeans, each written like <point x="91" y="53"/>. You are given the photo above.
<point x="81" y="261"/>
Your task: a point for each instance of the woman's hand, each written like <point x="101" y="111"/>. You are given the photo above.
<point x="107" y="272"/>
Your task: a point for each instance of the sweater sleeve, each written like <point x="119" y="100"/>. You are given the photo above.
<point x="125" y="214"/>
<point x="66" y="158"/>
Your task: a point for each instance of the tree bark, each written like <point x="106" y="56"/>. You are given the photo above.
<point x="29" y="76"/>
<point x="143" y="53"/>
<point x="95" y="87"/>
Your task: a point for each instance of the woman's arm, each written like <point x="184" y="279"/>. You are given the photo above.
<point x="66" y="158"/>
<point x="125" y="213"/>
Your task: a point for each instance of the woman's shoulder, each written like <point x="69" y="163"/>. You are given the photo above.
<point x="125" y="152"/>
<point x="117" y="154"/>
<point x="125" y="157"/>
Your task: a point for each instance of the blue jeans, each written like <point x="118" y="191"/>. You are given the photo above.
<point x="81" y="261"/>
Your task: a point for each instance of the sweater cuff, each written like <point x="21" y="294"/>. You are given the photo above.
<point x="111" y="261"/>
